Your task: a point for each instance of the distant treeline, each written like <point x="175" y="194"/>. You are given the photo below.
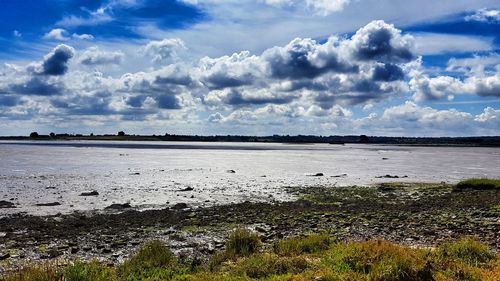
<point x="444" y="141"/>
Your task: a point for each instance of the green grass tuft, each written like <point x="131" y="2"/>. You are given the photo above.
<point x="92" y="271"/>
<point x="479" y="184"/>
<point x="153" y="259"/>
<point x="268" y="264"/>
<point x="42" y="272"/>
<point x="467" y="250"/>
<point x="301" y="245"/>
<point x="242" y="243"/>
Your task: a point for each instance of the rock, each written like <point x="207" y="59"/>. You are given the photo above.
<point x="231" y="171"/>
<point x="386" y="188"/>
<point x="388" y="177"/>
<point x="118" y="206"/>
<point x="189" y="188"/>
<point x="4" y="256"/>
<point x="6" y="204"/>
<point x="48" y="204"/>
<point x="180" y="206"/>
<point x="106" y="251"/>
<point x="91" y="193"/>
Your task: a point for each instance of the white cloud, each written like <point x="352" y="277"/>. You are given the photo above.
<point x="61" y="34"/>
<point x="166" y="50"/>
<point x="485" y="15"/>
<point x="82" y="36"/>
<point x="326" y="7"/>
<point x="476" y="64"/>
<point x="320" y="7"/>
<point x="56" y="34"/>
<point x="99" y="16"/>
<point x="427" y="88"/>
<point x="94" y="56"/>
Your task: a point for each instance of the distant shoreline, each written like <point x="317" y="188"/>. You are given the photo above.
<point x="487" y="141"/>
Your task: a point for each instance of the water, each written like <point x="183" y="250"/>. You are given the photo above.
<point x="152" y="174"/>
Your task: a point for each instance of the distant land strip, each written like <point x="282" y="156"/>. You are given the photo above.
<point x="297" y="139"/>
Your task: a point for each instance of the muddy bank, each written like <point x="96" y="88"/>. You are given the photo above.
<point x="410" y="214"/>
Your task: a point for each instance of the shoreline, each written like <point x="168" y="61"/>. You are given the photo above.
<point x="467" y="141"/>
<point x="412" y="214"/>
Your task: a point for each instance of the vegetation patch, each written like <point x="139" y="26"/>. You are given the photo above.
<point x="479" y="184"/>
<point x="302" y="245"/>
<point x="242" y="243"/>
<point x="312" y="257"/>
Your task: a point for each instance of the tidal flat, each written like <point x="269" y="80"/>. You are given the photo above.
<point x="91" y="206"/>
<point x="417" y="215"/>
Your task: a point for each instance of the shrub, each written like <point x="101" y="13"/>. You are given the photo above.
<point x="242" y="243"/>
<point x="152" y="256"/>
<point x="479" y="184"/>
<point x="468" y="250"/>
<point x="300" y="245"/>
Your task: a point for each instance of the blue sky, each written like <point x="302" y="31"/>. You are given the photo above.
<point x="325" y="67"/>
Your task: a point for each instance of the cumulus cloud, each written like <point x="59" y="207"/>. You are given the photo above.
<point x="432" y="88"/>
<point x="237" y="98"/>
<point x="56" y="62"/>
<point x="56" y="34"/>
<point x="305" y="58"/>
<point x="165" y="50"/>
<point x="489" y="115"/>
<point x="485" y="15"/>
<point x="236" y="70"/>
<point x="95" y="56"/>
<point x="413" y="120"/>
<point x="307" y="83"/>
<point x="37" y="86"/>
<point x="382" y="42"/>
<point x="368" y="67"/>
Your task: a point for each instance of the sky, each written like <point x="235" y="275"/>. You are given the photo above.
<point x="250" y="67"/>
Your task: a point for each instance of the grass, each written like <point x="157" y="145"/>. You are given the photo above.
<point x="479" y="184"/>
<point x="302" y="245"/>
<point x="312" y="257"/>
<point x="242" y="243"/>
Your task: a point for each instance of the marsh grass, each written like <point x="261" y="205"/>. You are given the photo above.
<point x="92" y="271"/>
<point x="242" y="243"/>
<point x="39" y="272"/>
<point x="467" y="250"/>
<point x="302" y="245"/>
<point x="479" y="184"/>
<point x="313" y="257"/>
